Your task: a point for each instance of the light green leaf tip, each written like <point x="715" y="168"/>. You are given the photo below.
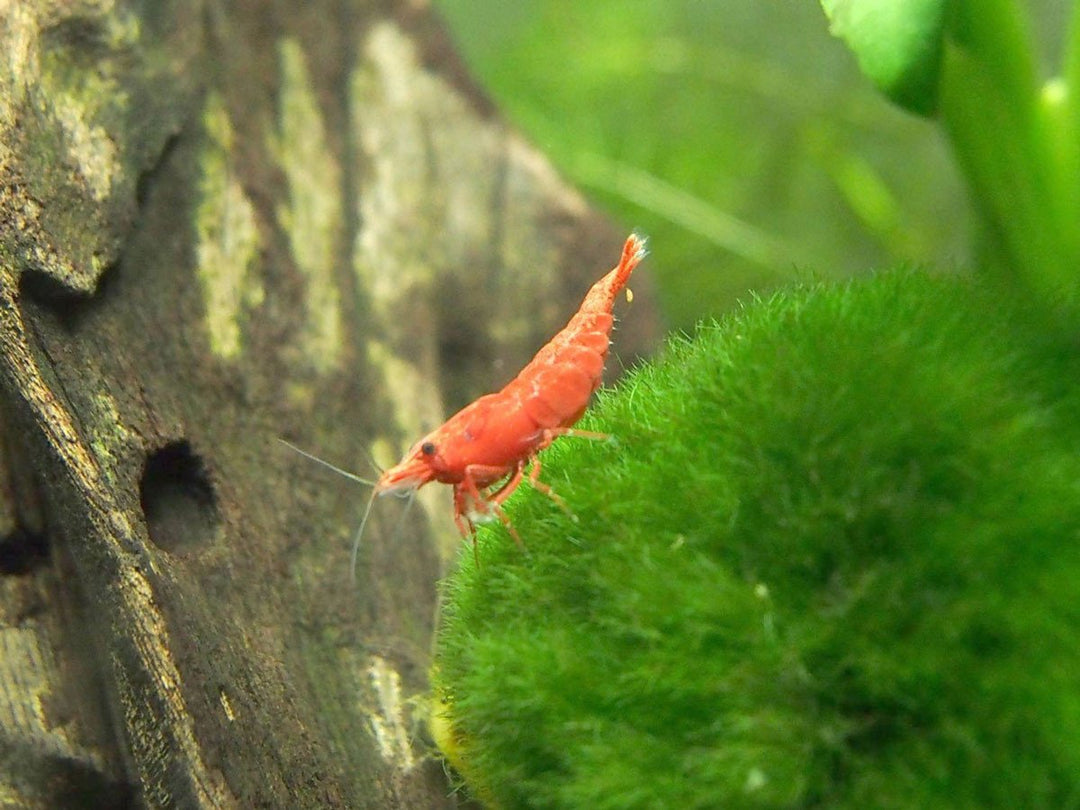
<point x="898" y="45"/>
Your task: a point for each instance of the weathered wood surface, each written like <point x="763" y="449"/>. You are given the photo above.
<point x="221" y="223"/>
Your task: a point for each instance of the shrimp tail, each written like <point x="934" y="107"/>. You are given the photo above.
<point x="601" y="297"/>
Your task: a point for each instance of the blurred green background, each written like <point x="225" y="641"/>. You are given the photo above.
<point x="739" y="136"/>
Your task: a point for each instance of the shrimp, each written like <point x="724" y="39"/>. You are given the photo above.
<point x="483" y="450"/>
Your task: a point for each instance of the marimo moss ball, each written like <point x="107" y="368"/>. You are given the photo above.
<point x="830" y="558"/>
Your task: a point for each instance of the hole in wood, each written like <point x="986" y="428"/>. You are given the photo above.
<point x="50" y="291"/>
<point x="178" y="499"/>
<point x="22" y="552"/>
<point x="46" y="293"/>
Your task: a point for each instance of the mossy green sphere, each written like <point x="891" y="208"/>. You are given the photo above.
<point x="830" y="559"/>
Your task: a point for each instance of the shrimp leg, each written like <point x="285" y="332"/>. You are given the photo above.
<point x="497" y="495"/>
<point x="549" y="435"/>
<point x="488" y="502"/>
<point x="540" y="486"/>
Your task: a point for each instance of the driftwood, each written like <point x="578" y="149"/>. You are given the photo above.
<point x="220" y="224"/>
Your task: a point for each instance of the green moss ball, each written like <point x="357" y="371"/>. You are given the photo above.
<point x="831" y="558"/>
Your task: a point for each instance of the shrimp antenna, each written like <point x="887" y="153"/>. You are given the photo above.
<point x="328" y="465"/>
<point x="371" y="460"/>
<point x="359" y="534"/>
<point x="411" y="496"/>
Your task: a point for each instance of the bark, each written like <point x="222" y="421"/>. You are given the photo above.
<point x="223" y="223"/>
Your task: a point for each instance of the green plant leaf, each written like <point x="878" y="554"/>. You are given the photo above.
<point x="898" y="44"/>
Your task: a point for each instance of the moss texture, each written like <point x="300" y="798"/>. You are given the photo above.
<point x="829" y="561"/>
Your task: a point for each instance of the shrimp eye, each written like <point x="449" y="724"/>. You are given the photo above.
<point x="427" y="448"/>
